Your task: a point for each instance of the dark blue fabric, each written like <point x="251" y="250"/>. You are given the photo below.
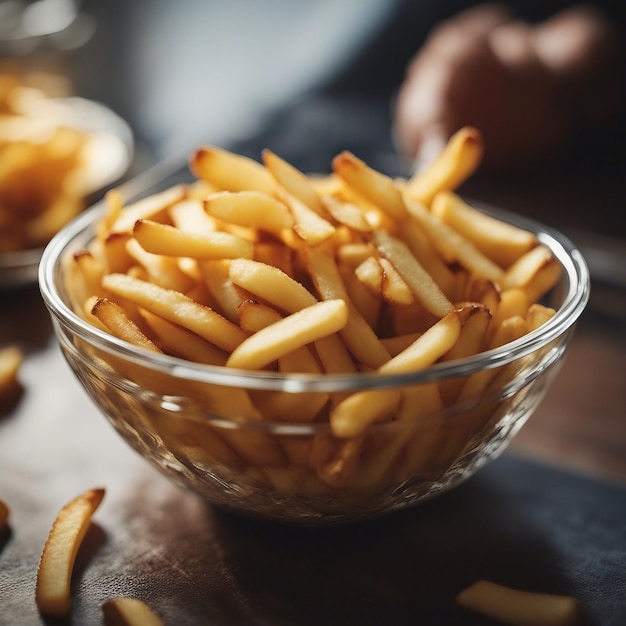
<point x="516" y="523"/>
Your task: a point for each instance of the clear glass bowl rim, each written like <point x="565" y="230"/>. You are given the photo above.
<point x="574" y="302"/>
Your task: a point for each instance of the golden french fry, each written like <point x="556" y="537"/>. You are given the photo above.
<point x="370" y="273"/>
<point x="393" y="288"/>
<point x="5" y="512"/>
<point x="189" y="215"/>
<point x="334" y="356"/>
<point x="170" y="241"/>
<point x="230" y="172"/>
<point x="424" y="288"/>
<point x="294" y="331"/>
<point x="253" y="316"/>
<point x="115" y="320"/>
<point x="128" y="612"/>
<point x="520" y="608"/>
<point x="353" y="416"/>
<point x="503" y="243"/>
<point x="252" y="209"/>
<point x="368" y="303"/>
<point x="513" y="302"/>
<point x="178" y="308"/>
<point x="225" y="294"/>
<point x="357" y="334"/>
<point x="276" y="254"/>
<point x="293" y="181"/>
<point x="309" y="225"/>
<point x="476" y="320"/>
<point x="452" y="246"/>
<point x="53" y="587"/>
<point x="115" y="253"/>
<point x="353" y="254"/>
<point x="180" y="342"/>
<point x="537" y="315"/>
<point x="509" y="330"/>
<point x="164" y="271"/>
<point x="485" y="292"/>
<point x="299" y="407"/>
<point x="153" y="207"/>
<point x="427" y="348"/>
<point x="271" y="284"/>
<point x="11" y="358"/>
<point x="457" y="161"/>
<point x="428" y="257"/>
<point x="113" y="205"/>
<point x="348" y="214"/>
<point x="374" y="186"/>
<point x="522" y="272"/>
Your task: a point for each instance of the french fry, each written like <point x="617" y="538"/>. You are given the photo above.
<point x="253" y="316"/>
<point x="164" y="271"/>
<point x="309" y="225"/>
<point x="520" y="608"/>
<point x="501" y="242"/>
<point x="298" y="329"/>
<point x="370" y="273"/>
<point x="129" y="612"/>
<point x="348" y="214"/>
<point x="374" y="186"/>
<point x="537" y="315"/>
<point x="115" y="255"/>
<point x="176" y="307"/>
<point x="180" y="342"/>
<point x="284" y="406"/>
<point x="357" y="334"/>
<point x="424" y="288"/>
<point x="457" y="161"/>
<point x="5" y="512"/>
<point x="452" y="246"/>
<point x="190" y="215"/>
<point x="426" y="255"/>
<point x="153" y="207"/>
<point x="271" y="284"/>
<point x="225" y="294"/>
<point x="367" y="302"/>
<point x="53" y="587"/>
<point x="170" y="241"/>
<point x="252" y="209"/>
<point x="353" y="416"/>
<point x="118" y="324"/>
<point x="523" y="271"/>
<point x="230" y="172"/>
<point x="11" y="358"/>
<point x="393" y="288"/>
<point x="293" y="181"/>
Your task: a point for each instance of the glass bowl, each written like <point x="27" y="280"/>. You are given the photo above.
<point x="108" y="160"/>
<point x="187" y="418"/>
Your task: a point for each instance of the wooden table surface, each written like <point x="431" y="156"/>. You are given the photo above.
<point x="54" y="444"/>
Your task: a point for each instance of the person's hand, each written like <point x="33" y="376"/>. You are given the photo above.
<point x="526" y="88"/>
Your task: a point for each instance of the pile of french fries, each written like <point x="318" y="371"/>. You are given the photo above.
<point x="42" y="166"/>
<point x="257" y="266"/>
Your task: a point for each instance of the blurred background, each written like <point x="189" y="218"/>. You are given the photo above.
<point x="206" y="71"/>
<point x="306" y="79"/>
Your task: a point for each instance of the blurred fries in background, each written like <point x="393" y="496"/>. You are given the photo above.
<point x="47" y="166"/>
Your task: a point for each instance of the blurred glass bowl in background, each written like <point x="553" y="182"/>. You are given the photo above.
<point x="106" y="157"/>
